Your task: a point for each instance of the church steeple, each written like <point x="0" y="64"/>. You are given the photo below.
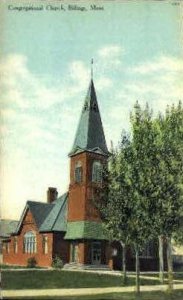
<point x="90" y="135"/>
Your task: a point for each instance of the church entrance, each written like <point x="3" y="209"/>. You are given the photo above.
<point x="96" y="253"/>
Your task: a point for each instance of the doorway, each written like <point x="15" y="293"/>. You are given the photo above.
<point x="96" y="253"/>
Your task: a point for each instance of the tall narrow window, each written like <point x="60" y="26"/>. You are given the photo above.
<point x="45" y="244"/>
<point x="7" y="247"/>
<point x="30" y="242"/>
<point x="15" y="244"/>
<point x="97" y="171"/>
<point x="78" y="172"/>
<point x="74" y="252"/>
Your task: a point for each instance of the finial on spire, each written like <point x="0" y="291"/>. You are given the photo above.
<point x="92" y="68"/>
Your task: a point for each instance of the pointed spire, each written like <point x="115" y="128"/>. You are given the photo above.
<point x="90" y="134"/>
<point x="91" y="99"/>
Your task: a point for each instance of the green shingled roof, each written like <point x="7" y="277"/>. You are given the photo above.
<point x="90" y="134"/>
<point x="85" y="230"/>
<point x="39" y="211"/>
<point x="47" y="216"/>
<point x="56" y="220"/>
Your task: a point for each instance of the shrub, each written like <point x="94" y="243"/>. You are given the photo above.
<point x="57" y="263"/>
<point x="31" y="262"/>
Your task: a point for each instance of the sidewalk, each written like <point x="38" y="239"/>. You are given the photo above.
<point x="81" y="292"/>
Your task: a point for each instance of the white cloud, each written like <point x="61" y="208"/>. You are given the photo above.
<point x="162" y="63"/>
<point x="14" y="64"/>
<point x="110" y="51"/>
<point x="78" y="72"/>
<point x="110" y="56"/>
<point x="8" y="113"/>
<point x="158" y="82"/>
<point x="24" y="89"/>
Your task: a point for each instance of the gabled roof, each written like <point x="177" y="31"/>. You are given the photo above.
<point x="47" y="216"/>
<point x="56" y="220"/>
<point x="90" y="134"/>
<point x="39" y="211"/>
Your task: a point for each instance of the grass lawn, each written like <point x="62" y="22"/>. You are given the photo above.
<point x="176" y="295"/>
<point x="62" y="279"/>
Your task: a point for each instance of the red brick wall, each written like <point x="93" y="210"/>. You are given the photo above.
<point x="61" y="247"/>
<point x="20" y="258"/>
<point x="81" y="206"/>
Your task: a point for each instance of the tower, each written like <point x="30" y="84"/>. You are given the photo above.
<point x="87" y="158"/>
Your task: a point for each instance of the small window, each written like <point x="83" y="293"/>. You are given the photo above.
<point x="78" y="172"/>
<point x="7" y="247"/>
<point x="30" y="242"/>
<point x="15" y="245"/>
<point x="97" y="171"/>
<point x="45" y="244"/>
<point x="95" y="107"/>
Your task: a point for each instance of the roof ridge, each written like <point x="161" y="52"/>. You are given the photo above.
<point x="54" y="213"/>
<point x="37" y="202"/>
<point x="65" y="194"/>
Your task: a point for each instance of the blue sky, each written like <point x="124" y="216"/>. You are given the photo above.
<point x="45" y="63"/>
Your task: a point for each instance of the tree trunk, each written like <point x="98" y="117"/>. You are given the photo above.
<point x="137" y="272"/>
<point x="124" y="262"/>
<point x="170" y="264"/>
<point x="161" y="260"/>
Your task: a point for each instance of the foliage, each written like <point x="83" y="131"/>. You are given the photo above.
<point x="57" y="262"/>
<point x="31" y="262"/>
<point x="143" y="199"/>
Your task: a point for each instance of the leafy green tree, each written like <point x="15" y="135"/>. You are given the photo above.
<point x="169" y="200"/>
<point x="141" y="173"/>
<point x="125" y="208"/>
<point x="115" y="206"/>
<point x="144" y="190"/>
<point x="160" y="143"/>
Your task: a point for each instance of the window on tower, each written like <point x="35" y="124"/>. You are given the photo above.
<point x="78" y="172"/>
<point x="97" y="172"/>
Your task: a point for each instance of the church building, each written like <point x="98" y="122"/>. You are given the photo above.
<point x="69" y="226"/>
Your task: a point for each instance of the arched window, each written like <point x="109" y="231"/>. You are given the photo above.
<point x="78" y="173"/>
<point x="97" y="171"/>
<point x="30" y="242"/>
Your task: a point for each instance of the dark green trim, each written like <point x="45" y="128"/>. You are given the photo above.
<point x="85" y="230"/>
